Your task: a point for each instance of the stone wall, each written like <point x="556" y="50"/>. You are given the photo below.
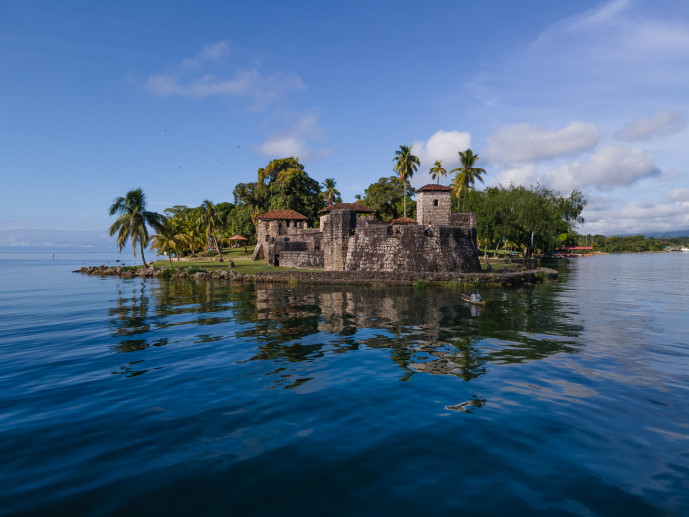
<point x="301" y="259"/>
<point x="269" y="228"/>
<point x="412" y="248"/>
<point x="464" y="220"/>
<point x="303" y="241"/>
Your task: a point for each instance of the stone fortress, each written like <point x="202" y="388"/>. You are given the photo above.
<point x="350" y="239"/>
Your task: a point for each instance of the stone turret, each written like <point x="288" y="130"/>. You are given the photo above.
<point x="433" y="205"/>
<point x="337" y="230"/>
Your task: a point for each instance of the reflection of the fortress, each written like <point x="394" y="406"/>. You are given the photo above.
<point x="425" y="331"/>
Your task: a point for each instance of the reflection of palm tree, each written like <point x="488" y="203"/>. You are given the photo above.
<point x="405" y="165"/>
<point x="131" y="315"/>
<point x="131" y="225"/>
<point x="468" y="359"/>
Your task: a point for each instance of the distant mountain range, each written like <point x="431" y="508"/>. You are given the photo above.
<point x="664" y="235"/>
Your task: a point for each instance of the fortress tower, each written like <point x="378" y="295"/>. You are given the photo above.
<point x="433" y="204"/>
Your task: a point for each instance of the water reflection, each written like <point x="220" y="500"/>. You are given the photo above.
<point x="131" y="312"/>
<point x="422" y="331"/>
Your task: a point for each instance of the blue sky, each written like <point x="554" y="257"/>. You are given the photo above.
<point x="187" y="99"/>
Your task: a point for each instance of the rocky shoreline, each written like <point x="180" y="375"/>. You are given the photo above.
<point x="368" y="278"/>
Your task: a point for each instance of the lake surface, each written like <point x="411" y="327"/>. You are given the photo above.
<point x="154" y="397"/>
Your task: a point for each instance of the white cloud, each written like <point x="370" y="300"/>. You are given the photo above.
<point x="604" y="14"/>
<point x="209" y="54"/>
<point x="523" y="142"/>
<point x="662" y="123"/>
<point x="611" y="166"/>
<point x="295" y="141"/>
<point x="524" y="174"/>
<point x="678" y="194"/>
<point x="443" y="145"/>
<point x="249" y="83"/>
<point x="637" y="218"/>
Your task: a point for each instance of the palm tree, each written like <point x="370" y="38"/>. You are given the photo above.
<point x="438" y="170"/>
<point x="167" y="240"/>
<point x="132" y="221"/>
<point x="405" y="165"/>
<point x="208" y="220"/>
<point x="330" y="193"/>
<point x="467" y="174"/>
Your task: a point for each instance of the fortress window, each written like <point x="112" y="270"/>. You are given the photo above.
<point x="435" y="202"/>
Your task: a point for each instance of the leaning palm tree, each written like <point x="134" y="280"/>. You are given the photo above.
<point x="209" y="220"/>
<point x="467" y="174"/>
<point x="405" y="165"/>
<point x="438" y="170"/>
<point x="132" y="221"/>
<point x="330" y="193"/>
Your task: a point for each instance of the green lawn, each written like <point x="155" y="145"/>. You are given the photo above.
<point x="242" y="267"/>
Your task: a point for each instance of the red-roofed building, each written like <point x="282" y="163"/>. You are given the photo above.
<point x="349" y="239"/>
<point x="282" y="215"/>
<point x="362" y="211"/>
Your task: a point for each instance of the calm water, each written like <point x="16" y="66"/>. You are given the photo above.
<point x="176" y="398"/>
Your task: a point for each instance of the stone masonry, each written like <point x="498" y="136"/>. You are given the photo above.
<point x="441" y="242"/>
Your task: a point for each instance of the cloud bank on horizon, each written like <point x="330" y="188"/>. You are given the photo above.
<point x="588" y="95"/>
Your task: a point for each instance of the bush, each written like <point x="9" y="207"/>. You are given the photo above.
<point x="420" y="284"/>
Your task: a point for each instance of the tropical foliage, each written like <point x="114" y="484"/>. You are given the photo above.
<point x="386" y="196"/>
<point x="532" y="218"/>
<point x="133" y="221"/>
<point x="438" y="170"/>
<point x="467" y="174"/>
<point x="406" y="165"/>
<point x="330" y="193"/>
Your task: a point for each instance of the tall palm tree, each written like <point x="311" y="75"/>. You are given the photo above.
<point x="209" y="220"/>
<point x="467" y="174"/>
<point x="329" y="191"/>
<point x="405" y="165"/>
<point x="438" y="170"/>
<point x="132" y="221"/>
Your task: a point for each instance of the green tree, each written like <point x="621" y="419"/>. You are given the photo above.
<point x="210" y="222"/>
<point x="438" y="170"/>
<point x="131" y="225"/>
<point x="330" y="193"/>
<point x="271" y="171"/>
<point x="405" y="165"/>
<point x="386" y="197"/>
<point x="294" y="189"/>
<point x="467" y="174"/>
<point x="532" y="217"/>
<point x="284" y="185"/>
<point x="167" y="241"/>
<point x="243" y="223"/>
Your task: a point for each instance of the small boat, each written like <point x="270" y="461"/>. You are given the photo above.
<point x="467" y="298"/>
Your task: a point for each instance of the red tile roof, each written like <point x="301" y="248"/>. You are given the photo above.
<point x="403" y="221"/>
<point x="432" y="187"/>
<point x="282" y="215"/>
<point x="357" y="207"/>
